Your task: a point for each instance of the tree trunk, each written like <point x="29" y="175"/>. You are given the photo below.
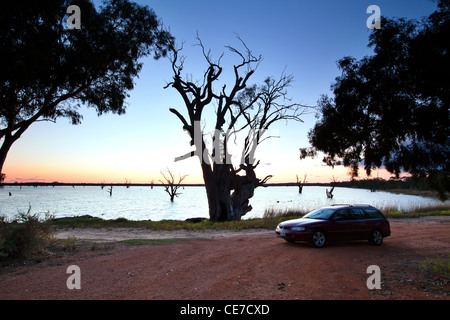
<point x="240" y="200"/>
<point x="218" y="187"/>
<point x="218" y="202"/>
<point x="7" y="143"/>
<point x="9" y="138"/>
<point x="245" y="189"/>
<point x="228" y="194"/>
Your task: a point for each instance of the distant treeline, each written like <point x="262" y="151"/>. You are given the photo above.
<point x="435" y="186"/>
<point x="372" y="184"/>
<point x="381" y="184"/>
<point x="85" y="184"/>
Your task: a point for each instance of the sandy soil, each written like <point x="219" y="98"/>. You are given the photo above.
<point x="246" y="265"/>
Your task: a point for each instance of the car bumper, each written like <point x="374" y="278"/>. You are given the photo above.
<point x="294" y="235"/>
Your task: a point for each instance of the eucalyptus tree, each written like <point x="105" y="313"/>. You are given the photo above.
<point x="58" y="55"/>
<point x="391" y="109"/>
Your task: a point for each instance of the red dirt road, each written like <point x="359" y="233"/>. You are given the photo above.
<point x="245" y="267"/>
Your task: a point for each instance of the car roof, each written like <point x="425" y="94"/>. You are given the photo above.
<point x="337" y="205"/>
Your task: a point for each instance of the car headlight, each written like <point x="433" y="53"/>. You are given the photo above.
<point x="297" y="228"/>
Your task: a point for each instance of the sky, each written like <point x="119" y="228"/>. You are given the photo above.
<point x="302" y="38"/>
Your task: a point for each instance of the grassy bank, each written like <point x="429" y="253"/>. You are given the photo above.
<point x="439" y="210"/>
<point x="389" y="212"/>
<point x="270" y="220"/>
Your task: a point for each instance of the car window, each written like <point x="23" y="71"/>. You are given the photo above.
<point x="342" y="214"/>
<point x="372" y="213"/>
<point x="319" y="214"/>
<point x="358" y="214"/>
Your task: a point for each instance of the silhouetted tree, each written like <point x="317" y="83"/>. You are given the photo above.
<point x="392" y="109"/>
<point x="238" y="109"/>
<point x="48" y="70"/>
<point x="301" y="184"/>
<point x="170" y="185"/>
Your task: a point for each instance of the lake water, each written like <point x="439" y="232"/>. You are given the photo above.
<point x="143" y="203"/>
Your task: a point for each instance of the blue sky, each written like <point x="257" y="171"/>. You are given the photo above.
<point x="304" y="38"/>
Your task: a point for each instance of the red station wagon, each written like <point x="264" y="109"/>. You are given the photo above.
<point x="338" y="222"/>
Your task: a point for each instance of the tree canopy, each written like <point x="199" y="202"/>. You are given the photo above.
<point x="391" y="109"/>
<point x="49" y="70"/>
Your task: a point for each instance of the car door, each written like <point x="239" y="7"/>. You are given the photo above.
<point x="342" y="226"/>
<point x="360" y="224"/>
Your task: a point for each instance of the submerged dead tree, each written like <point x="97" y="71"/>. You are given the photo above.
<point x="170" y="184"/>
<point x="301" y="184"/>
<point x="330" y="192"/>
<point x="242" y="115"/>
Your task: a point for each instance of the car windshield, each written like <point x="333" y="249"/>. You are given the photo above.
<point x="320" y="214"/>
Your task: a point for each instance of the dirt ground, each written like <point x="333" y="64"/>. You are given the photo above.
<point x="246" y="265"/>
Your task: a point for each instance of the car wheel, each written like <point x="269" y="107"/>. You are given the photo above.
<point x="376" y="238"/>
<point x="319" y="239"/>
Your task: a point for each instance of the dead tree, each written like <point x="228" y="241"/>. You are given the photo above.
<point x="240" y="110"/>
<point x="330" y="193"/>
<point x="170" y="186"/>
<point x="301" y="184"/>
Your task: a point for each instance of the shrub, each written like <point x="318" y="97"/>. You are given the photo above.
<point x="25" y="236"/>
<point x="70" y="243"/>
<point x="439" y="267"/>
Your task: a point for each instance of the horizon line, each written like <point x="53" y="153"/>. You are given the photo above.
<point x="149" y="184"/>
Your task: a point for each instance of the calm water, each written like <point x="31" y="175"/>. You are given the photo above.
<point x="142" y="203"/>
